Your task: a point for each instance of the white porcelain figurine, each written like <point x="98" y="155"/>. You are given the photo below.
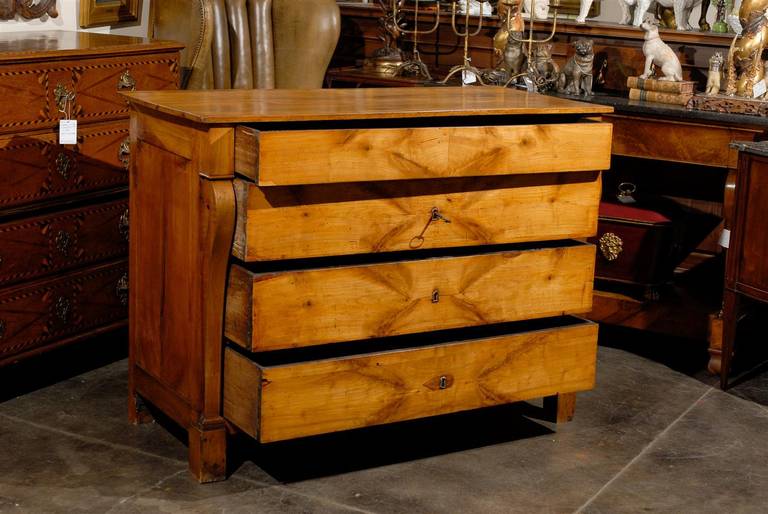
<point x="682" y="10"/>
<point x="658" y="53"/>
<point x="626" y="11"/>
<point x="540" y="8"/>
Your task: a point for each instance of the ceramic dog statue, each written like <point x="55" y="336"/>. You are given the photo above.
<point x="715" y="74"/>
<point x="628" y="7"/>
<point x="682" y="10"/>
<point x="576" y="77"/>
<point x="540" y="8"/>
<point x="658" y="53"/>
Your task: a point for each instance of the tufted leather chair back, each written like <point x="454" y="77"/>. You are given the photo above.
<point x="246" y="44"/>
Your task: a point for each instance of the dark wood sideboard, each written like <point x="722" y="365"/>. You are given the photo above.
<point x="746" y="271"/>
<point x="338" y="259"/>
<point x="64" y="217"/>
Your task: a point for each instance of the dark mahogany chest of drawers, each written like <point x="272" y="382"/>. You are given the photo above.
<point x="64" y="208"/>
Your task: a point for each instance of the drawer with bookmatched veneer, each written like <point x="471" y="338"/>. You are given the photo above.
<point x="35" y="168"/>
<point x="294" y="157"/>
<point x="387" y="295"/>
<point x="322" y="220"/>
<point x="34" y="247"/>
<point x="285" y="395"/>
<point x="37" y="313"/>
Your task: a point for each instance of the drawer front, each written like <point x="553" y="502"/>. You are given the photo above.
<point x="670" y="140"/>
<point x="95" y="83"/>
<point x="39" y="246"/>
<point x="293" y="157"/>
<point x="35" y="168"/>
<point x="40" y="313"/>
<point x="294" y="222"/>
<point x="302" y="308"/>
<point x="273" y="403"/>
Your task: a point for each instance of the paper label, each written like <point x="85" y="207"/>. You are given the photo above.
<point x="725" y="238"/>
<point x="759" y="89"/>
<point x="68" y="132"/>
<point x="468" y="77"/>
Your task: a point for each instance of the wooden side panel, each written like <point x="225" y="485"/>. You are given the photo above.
<point x="165" y="339"/>
<point x="313" y="221"/>
<point x="361" y="155"/>
<point x="314" y="307"/>
<point x="242" y="392"/>
<point x="753" y="243"/>
<point x="326" y="396"/>
<point x="671" y="140"/>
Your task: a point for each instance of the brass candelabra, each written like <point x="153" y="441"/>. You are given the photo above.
<point x="466" y="65"/>
<point x="532" y="73"/>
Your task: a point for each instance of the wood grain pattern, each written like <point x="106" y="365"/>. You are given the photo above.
<point x="324" y="396"/>
<point x="345" y="304"/>
<point x="313" y="221"/>
<point x="672" y="140"/>
<point x="273" y="105"/>
<point x="359" y="155"/>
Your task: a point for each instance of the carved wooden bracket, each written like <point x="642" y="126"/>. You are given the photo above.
<point x="29" y="9"/>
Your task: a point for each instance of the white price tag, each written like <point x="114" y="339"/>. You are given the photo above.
<point x="759" y="89"/>
<point x="725" y="238"/>
<point x="468" y="77"/>
<point x="68" y="132"/>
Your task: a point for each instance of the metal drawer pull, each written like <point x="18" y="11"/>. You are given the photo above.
<point x="61" y="309"/>
<point x="123" y="225"/>
<point x="122" y="289"/>
<point x="63" y="163"/>
<point x="124" y="153"/>
<point x="611" y="246"/>
<point x="126" y="82"/>
<point x="63" y="241"/>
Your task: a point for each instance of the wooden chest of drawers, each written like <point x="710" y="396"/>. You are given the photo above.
<point x="64" y="208"/>
<point x="337" y="259"/>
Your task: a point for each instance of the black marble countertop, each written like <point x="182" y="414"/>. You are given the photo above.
<point x="623" y="105"/>
<point x="757" y="148"/>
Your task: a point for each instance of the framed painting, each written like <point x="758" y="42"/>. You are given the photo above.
<point x="94" y="13"/>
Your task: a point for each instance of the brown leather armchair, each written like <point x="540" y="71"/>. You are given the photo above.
<point x="248" y="44"/>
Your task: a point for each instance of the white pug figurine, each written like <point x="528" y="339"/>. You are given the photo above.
<point x="658" y="53"/>
<point x="540" y="8"/>
<point x="627" y="7"/>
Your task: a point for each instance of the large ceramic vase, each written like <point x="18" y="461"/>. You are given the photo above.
<point x="305" y="35"/>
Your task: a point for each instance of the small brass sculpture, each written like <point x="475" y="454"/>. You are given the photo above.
<point x="576" y="77"/>
<point x="388" y="58"/>
<point x="745" y="65"/>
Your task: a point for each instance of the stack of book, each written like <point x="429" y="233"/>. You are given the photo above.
<point x="662" y="91"/>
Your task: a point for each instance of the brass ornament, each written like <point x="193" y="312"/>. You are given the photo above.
<point x="61" y="309"/>
<point x="63" y="163"/>
<point x="63" y="96"/>
<point x="2" y="329"/>
<point x="63" y="242"/>
<point x="124" y="153"/>
<point x="122" y="289"/>
<point x="123" y="225"/>
<point x="126" y="82"/>
<point x="611" y="246"/>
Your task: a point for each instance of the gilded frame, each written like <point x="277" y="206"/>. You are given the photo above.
<point x="94" y="13"/>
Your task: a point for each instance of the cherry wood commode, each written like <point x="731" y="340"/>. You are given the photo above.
<point x="304" y="262"/>
<point x="64" y="208"/>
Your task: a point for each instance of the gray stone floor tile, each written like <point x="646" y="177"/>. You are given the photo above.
<point x="538" y="468"/>
<point x="181" y="494"/>
<point x="713" y="460"/>
<point x="46" y="472"/>
<point x="94" y="405"/>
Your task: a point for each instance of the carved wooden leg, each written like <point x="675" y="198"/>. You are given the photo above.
<point x="560" y="407"/>
<point x="715" y="340"/>
<point x="208" y="453"/>
<point x="731" y="304"/>
<point x="138" y="414"/>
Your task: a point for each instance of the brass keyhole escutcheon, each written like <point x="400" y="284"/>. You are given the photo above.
<point x="124" y="225"/>
<point x="62" y="309"/>
<point x="121" y="289"/>
<point x="63" y="242"/>
<point x="436" y="296"/>
<point x="2" y="329"/>
<point x="436" y="216"/>
<point x="126" y="82"/>
<point x="443" y="382"/>
<point x="63" y="163"/>
<point x="124" y="153"/>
